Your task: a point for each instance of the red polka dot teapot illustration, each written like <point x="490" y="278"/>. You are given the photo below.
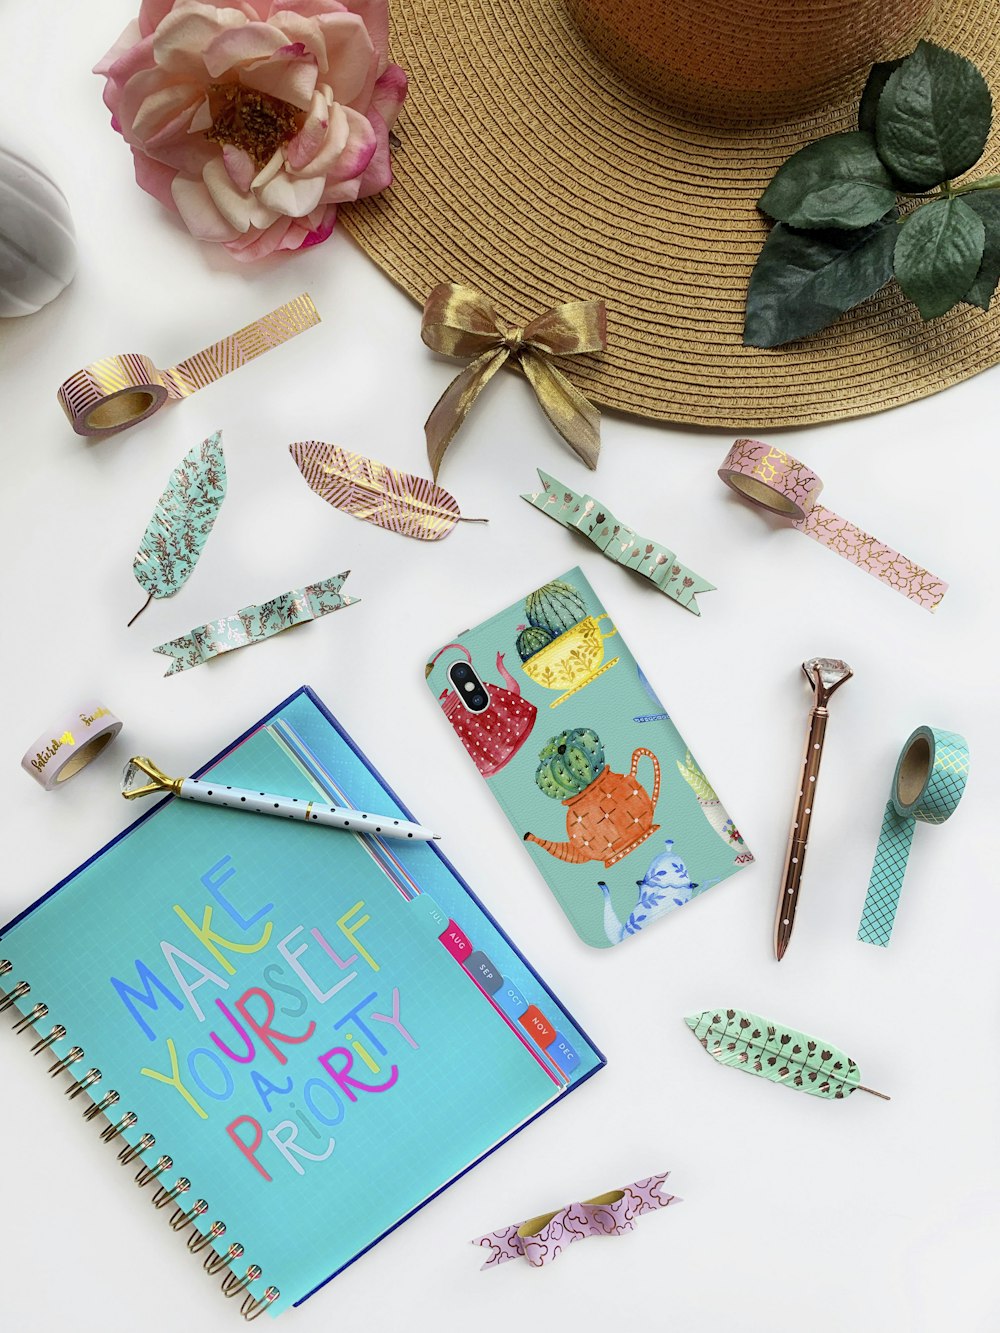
<point x="492" y="721"/>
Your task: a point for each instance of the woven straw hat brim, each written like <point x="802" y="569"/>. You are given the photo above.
<point x="532" y="171"/>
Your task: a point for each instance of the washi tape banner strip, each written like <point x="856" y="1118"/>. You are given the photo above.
<point x="776" y="481"/>
<point x="542" y="1239"/>
<point x="253" y="624"/>
<point x="119" y="391"/>
<point x="618" y="542"/>
<point x="71" y="744"/>
<point x="930" y="777"/>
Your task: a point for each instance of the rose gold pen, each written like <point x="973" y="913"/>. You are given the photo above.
<point x="824" y="674"/>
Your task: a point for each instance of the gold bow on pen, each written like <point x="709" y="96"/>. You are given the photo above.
<point x="459" y="321"/>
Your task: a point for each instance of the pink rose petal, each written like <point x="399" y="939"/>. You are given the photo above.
<point x="350" y="55"/>
<point x="166" y="113"/>
<point x="242" y="209"/>
<point x="181" y="40"/>
<point x="389" y="93"/>
<point x="305" y="33"/>
<point x="378" y="176"/>
<point x="239" y="165"/>
<point x="238" y="46"/>
<point x="374" y="14"/>
<point x="290" y="196"/>
<point x="129" y="47"/>
<point x="198" y="213"/>
<point x="154" y="178"/>
<point x="309" y="9"/>
<point x="259" y="244"/>
<point x="322" y="123"/>
<point x="324" y="229"/>
<point x="289" y="75"/>
<point x="344" y="157"/>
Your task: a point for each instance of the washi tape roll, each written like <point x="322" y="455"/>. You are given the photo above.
<point x="776" y="481"/>
<point x="120" y="391"/>
<point x="59" y="753"/>
<point x="927" y="786"/>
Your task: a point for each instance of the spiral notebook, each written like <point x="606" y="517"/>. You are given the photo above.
<point x="304" y="1034"/>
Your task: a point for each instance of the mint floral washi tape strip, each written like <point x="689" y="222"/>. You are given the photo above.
<point x="619" y="542"/>
<point x="776" y="481"/>
<point x="253" y="624"/>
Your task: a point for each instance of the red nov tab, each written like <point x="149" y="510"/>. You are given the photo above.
<point x="537" y="1024"/>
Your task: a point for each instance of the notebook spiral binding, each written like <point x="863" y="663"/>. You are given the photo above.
<point x="252" y="1306"/>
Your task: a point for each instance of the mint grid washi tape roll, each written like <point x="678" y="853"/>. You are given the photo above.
<point x="930" y="777"/>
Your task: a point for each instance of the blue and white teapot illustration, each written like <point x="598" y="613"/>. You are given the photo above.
<point x="665" y="885"/>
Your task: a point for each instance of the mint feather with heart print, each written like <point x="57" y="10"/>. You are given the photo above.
<point x="759" y="1046"/>
<point x="181" y="522"/>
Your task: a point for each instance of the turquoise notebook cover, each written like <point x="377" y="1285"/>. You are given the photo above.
<point x="295" y="1013"/>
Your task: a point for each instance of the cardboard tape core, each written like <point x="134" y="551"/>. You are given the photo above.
<point x="766" y="496"/>
<point x="914" y="770"/>
<point x="84" y="754"/>
<point x="121" y="409"/>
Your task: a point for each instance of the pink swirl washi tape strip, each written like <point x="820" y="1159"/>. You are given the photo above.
<point x="118" y="391"/>
<point x="542" y="1239"/>
<point x="776" y="481"/>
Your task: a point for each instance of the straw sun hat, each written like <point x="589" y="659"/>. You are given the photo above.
<point x="558" y="149"/>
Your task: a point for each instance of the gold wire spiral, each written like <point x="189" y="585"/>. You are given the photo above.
<point x="215" y="1263"/>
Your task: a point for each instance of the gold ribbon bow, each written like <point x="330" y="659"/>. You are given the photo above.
<point x="459" y="321"/>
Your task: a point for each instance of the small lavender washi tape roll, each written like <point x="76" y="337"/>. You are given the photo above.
<point x="774" y="480"/>
<point x="70" y="745"/>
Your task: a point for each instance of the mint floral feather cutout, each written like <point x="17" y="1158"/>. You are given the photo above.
<point x="181" y="522"/>
<point x="778" y="1053"/>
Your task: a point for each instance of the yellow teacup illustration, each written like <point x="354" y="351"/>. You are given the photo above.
<point x="573" y="659"/>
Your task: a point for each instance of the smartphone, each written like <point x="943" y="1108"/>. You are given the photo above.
<point x="585" y="761"/>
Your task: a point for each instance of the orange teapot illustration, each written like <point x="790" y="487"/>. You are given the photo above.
<point x="608" y="814"/>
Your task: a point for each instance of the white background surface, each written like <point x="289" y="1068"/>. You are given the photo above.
<point x="798" y="1212"/>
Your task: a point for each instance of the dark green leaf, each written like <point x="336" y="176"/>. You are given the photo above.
<point x="804" y="279"/>
<point x="933" y="117"/>
<point x="988" y="208"/>
<point x="938" y="254"/>
<point x="838" y="181"/>
<point x="877" y="80"/>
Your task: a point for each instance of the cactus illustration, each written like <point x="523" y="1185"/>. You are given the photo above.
<point x="556" y="607"/>
<point x="532" y="639"/>
<point x="712" y="806"/>
<point x="569" y="763"/>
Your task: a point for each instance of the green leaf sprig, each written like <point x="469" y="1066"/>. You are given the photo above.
<point x="853" y="210"/>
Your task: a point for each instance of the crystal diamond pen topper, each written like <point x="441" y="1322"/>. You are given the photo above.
<point x="824" y="674"/>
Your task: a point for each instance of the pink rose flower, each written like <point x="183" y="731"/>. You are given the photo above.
<point x="254" y="119"/>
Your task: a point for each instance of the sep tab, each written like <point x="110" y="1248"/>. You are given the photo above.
<point x="484" y="972"/>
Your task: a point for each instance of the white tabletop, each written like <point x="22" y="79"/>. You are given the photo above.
<point x="798" y="1212"/>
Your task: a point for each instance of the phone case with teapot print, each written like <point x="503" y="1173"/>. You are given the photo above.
<point x="560" y="720"/>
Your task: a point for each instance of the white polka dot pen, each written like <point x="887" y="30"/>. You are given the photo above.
<point x="210" y="792"/>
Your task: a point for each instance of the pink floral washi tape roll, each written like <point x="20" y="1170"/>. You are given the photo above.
<point x="774" y="480"/>
<point x="70" y="745"/>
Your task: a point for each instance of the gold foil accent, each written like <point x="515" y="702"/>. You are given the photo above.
<point x="461" y="322"/>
